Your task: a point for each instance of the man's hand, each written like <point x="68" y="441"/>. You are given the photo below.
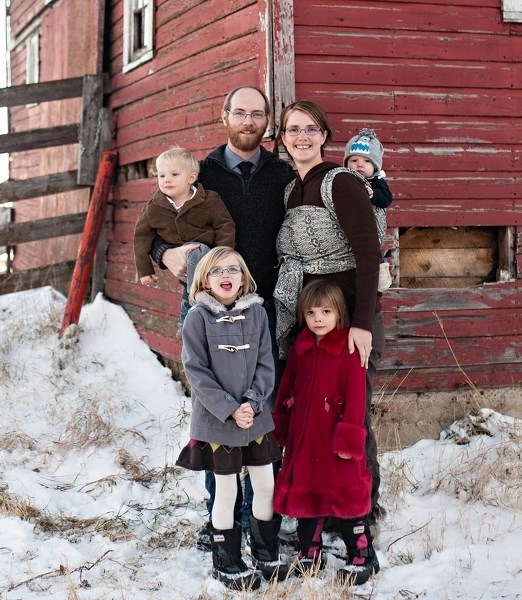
<point x="175" y="259"/>
<point x="149" y="280"/>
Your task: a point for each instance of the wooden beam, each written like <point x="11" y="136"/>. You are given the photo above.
<point x="39" y="138"/>
<point x="60" y="89"/>
<point x="13" y="190"/>
<point x="283" y="55"/>
<point x="18" y="233"/>
<point x="58" y="276"/>
<point x="90" y="133"/>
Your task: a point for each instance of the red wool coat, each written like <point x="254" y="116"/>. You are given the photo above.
<point x="319" y="414"/>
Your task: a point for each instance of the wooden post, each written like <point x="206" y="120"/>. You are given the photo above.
<point x="93" y="225"/>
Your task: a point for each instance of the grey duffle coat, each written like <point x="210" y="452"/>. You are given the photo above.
<point x="227" y="356"/>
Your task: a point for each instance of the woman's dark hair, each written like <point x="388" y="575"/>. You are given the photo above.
<point x="322" y="293"/>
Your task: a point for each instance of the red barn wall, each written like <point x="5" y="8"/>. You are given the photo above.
<point x="441" y="83"/>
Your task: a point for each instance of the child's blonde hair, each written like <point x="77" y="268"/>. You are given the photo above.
<point x="208" y="262"/>
<point x="322" y="293"/>
<point x="176" y="154"/>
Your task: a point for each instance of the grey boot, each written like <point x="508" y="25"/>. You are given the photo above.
<point x="264" y="545"/>
<point x="228" y="567"/>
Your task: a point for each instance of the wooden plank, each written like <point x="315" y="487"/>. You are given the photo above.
<point x="21" y="189"/>
<point x="39" y="138"/>
<point x="419" y="74"/>
<point x="447" y="238"/>
<point x="29" y="231"/>
<point x="454" y="324"/>
<point x="154" y="322"/>
<point x="405" y="134"/>
<point x="142" y="296"/>
<point x="434" y="186"/>
<point x="46" y="91"/>
<point x="397" y="99"/>
<point x="283" y="55"/>
<point x="57" y="276"/>
<point x="439" y="379"/>
<point x="438" y="281"/>
<point x="500" y="295"/>
<point x="447" y="262"/>
<point x="330" y="41"/>
<point x="396" y="16"/>
<point x="442" y="214"/>
<point x="90" y="129"/>
<point x="405" y="354"/>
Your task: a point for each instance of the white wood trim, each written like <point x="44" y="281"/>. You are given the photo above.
<point x="512" y="11"/>
<point x="283" y="55"/>
<point x="132" y="58"/>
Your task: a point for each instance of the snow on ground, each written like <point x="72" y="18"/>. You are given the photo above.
<point x="92" y="506"/>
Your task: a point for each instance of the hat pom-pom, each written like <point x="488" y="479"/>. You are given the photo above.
<point x="368" y="132"/>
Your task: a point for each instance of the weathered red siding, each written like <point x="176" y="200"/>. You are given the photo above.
<point x="441" y="83"/>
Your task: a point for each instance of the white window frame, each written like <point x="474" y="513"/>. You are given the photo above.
<point x="32" y="58"/>
<point x="512" y="11"/>
<point x="138" y="43"/>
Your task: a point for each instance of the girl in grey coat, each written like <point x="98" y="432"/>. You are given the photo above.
<point x="227" y="357"/>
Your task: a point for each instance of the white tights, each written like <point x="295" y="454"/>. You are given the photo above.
<point x="262" y="479"/>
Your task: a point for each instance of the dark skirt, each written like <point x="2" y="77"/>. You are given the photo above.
<point x="227" y="460"/>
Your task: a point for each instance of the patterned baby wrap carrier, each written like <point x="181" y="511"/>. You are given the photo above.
<point x="311" y="241"/>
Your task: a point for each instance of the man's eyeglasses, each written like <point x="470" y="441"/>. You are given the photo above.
<point x="218" y="271"/>
<point x="241" y="115"/>
<point x="309" y="130"/>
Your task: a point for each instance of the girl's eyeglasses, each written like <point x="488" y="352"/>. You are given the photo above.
<point x="218" y="271"/>
<point x="309" y="130"/>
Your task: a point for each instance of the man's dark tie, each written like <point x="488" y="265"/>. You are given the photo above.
<point x="245" y="167"/>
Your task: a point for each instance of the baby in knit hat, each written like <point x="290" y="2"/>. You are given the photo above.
<point x="363" y="153"/>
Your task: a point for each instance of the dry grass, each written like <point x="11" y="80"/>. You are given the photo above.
<point x="70" y="527"/>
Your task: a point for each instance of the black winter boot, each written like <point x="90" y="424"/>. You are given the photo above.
<point x="228" y="567"/>
<point x="264" y="545"/>
<point x="361" y="560"/>
<point x="310" y="557"/>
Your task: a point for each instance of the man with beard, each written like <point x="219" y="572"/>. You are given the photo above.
<point x="251" y="182"/>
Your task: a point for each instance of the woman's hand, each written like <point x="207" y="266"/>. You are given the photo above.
<point x="362" y="340"/>
<point x="345" y="456"/>
<point x="175" y="259"/>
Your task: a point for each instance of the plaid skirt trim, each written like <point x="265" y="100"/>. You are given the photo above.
<point x="227" y="460"/>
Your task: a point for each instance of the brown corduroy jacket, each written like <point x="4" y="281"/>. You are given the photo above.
<point x="204" y="218"/>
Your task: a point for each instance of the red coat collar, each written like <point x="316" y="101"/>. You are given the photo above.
<point x="333" y="343"/>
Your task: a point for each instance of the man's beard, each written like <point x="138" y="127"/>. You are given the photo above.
<point x="245" y="145"/>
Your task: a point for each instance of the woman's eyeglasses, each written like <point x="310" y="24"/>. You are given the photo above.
<point x="218" y="271"/>
<point x="309" y="130"/>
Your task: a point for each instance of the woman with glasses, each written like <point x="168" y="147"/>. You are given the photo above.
<point x="330" y="232"/>
<point x="227" y="357"/>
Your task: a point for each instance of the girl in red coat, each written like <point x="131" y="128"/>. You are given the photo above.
<point x="319" y="420"/>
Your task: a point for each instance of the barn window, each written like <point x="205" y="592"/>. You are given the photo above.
<point x="32" y="66"/>
<point x="138" y="33"/>
<point x="454" y="257"/>
<point x="512" y="11"/>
